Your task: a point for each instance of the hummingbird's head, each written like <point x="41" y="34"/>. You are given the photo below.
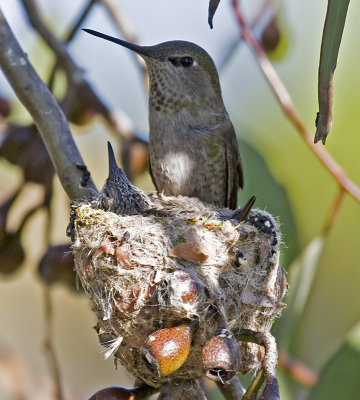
<point x="182" y="74"/>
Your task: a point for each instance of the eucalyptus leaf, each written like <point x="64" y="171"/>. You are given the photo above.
<point x="333" y="30"/>
<point x="339" y="378"/>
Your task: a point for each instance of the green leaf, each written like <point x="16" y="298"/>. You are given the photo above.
<point x="333" y="29"/>
<point x="339" y="379"/>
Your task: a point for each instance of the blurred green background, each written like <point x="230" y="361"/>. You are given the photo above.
<point x="285" y="176"/>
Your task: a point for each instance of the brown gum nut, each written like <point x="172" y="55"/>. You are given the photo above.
<point x="221" y="356"/>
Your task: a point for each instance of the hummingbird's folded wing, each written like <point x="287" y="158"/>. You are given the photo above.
<point x="235" y="177"/>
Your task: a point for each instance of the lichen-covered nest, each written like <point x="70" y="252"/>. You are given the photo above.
<point x="144" y="273"/>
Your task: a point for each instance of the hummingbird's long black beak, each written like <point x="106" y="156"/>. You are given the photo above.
<point x="143" y="51"/>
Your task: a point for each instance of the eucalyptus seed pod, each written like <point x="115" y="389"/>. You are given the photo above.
<point x="57" y="266"/>
<point x="221" y="356"/>
<point x="5" y="107"/>
<point x="182" y="294"/>
<point x="271" y="36"/>
<point x="166" y="350"/>
<point x="121" y="393"/>
<point x="134" y="156"/>
<point x="12" y="253"/>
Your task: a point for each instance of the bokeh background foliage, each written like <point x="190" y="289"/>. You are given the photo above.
<point x="318" y="334"/>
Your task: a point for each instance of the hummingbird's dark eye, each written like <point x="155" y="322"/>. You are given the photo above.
<point x="186" y="62"/>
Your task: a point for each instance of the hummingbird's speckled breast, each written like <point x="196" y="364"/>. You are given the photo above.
<point x="186" y="152"/>
<point x="187" y="161"/>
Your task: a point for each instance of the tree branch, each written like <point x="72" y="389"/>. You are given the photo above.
<point x="48" y="117"/>
<point x="232" y="389"/>
<point x="288" y="107"/>
<point x="70" y="35"/>
<point x="79" y="86"/>
<point x="140" y="392"/>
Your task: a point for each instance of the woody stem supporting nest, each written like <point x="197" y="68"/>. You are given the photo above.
<point x="265" y="339"/>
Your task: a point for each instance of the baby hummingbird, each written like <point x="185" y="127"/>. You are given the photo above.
<point x="192" y="146"/>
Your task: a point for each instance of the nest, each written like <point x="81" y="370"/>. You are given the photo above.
<point x="169" y="268"/>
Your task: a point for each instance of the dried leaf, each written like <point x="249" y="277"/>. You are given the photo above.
<point x="333" y="29"/>
<point x="188" y="251"/>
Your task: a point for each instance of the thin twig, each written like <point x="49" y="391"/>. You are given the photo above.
<point x="334" y="211"/>
<point x="299" y="372"/>
<point x="288" y="107"/>
<point x="48" y="344"/>
<point x="255" y="386"/>
<point x="48" y="319"/>
<point x="48" y="117"/>
<point x="232" y="389"/>
<point x="140" y="392"/>
<point x="68" y="38"/>
<point x="269" y="362"/>
<point x="74" y="74"/>
<point x="63" y="57"/>
<point x="235" y="43"/>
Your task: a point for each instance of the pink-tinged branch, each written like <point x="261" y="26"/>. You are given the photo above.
<point x="284" y="98"/>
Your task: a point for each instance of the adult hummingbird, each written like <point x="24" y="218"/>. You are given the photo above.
<point x="192" y="146"/>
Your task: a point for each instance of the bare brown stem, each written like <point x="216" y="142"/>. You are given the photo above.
<point x="140" y="392"/>
<point x="232" y="389"/>
<point x="334" y="211"/>
<point x="63" y="58"/>
<point x="75" y="75"/>
<point x="299" y="372"/>
<point x="48" y="117"/>
<point x="269" y="363"/>
<point x="71" y="35"/>
<point x="59" y="48"/>
<point x="48" y="343"/>
<point x="255" y="386"/>
<point x="288" y="107"/>
<point x="48" y="318"/>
